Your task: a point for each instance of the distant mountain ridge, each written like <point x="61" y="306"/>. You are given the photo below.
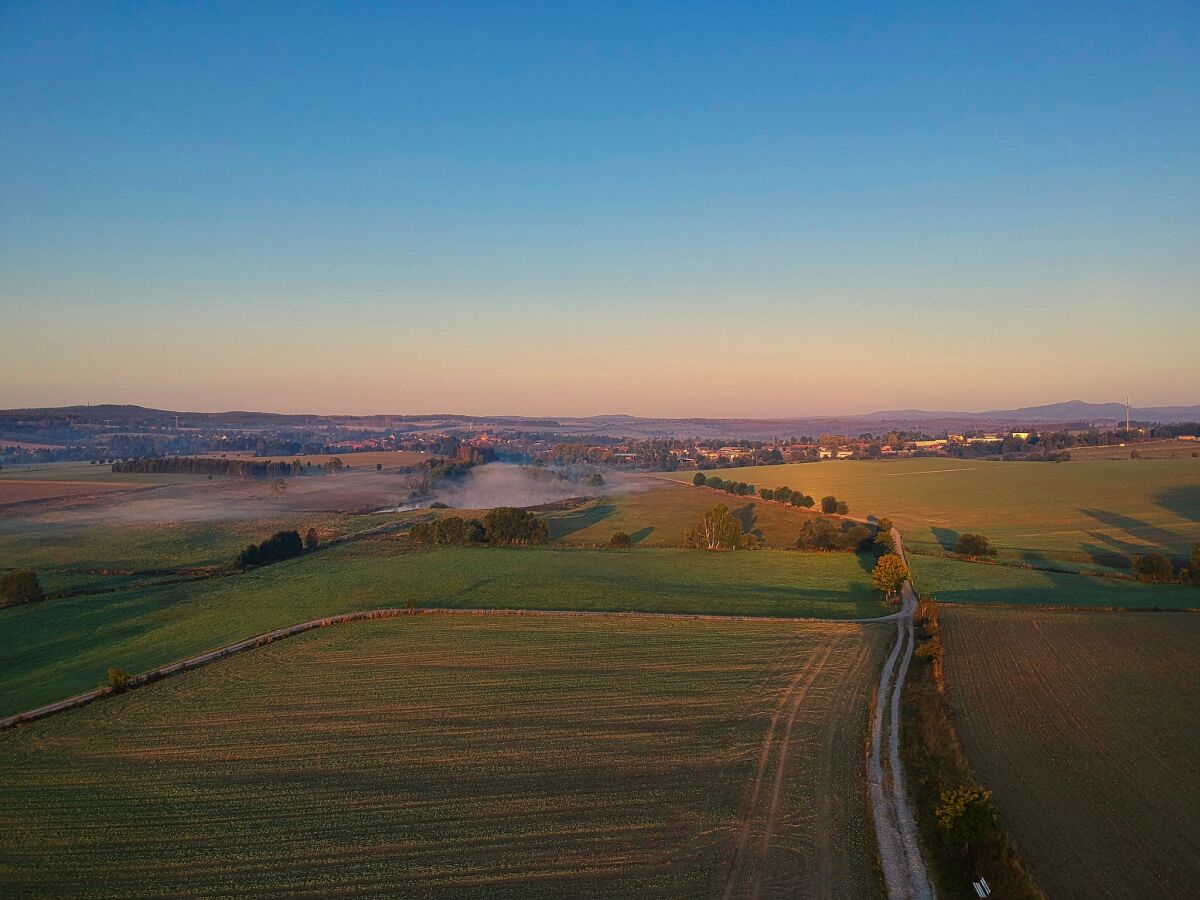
<point x="1072" y="413"/>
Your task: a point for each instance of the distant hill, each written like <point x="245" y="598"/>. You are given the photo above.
<point x="1072" y="413"/>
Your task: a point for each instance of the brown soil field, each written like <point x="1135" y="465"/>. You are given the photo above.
<point x="1086" y="726"/>
<point x="21" y="491"/>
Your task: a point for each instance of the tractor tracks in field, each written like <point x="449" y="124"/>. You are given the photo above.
<point x="774" y="750"/>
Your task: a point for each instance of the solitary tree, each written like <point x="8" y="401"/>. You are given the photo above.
<point x="889" y="573"/>
<point x="829" y="504"/>
<point x="973" y="545"/>
<point x="718" y="529"/>
<point x="311" y="541"/>
<point x="620" y="539"/>
<point x="20" y="586"/>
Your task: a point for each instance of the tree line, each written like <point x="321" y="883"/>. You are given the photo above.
<point x="502" y="526"/>
<point x="830" y="505"/>
<point x="206" y="465"/>
<point x="280" y="546"/>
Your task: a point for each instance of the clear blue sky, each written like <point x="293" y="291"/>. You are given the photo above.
<point x="692" y="209"/>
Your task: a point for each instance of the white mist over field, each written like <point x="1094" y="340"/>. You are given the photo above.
<point x="484" y="487"/>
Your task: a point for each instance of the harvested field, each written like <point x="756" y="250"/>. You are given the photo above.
<point x="27" y="489"/>
<point x="1087" y="728"/>
<point x="458" y="756"/>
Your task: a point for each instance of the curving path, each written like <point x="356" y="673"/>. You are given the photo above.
<point x="895" y="827"/>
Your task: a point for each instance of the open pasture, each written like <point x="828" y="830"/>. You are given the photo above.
<point x="954" y="580"/>
<point x="68" y="644"/>
<point x="1091" y="515"/>
<point x="450" y="756"/>
<point x="1087" y="728"/>
<point x="656" y="512"/>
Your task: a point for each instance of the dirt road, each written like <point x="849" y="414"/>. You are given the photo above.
<point x="895" y="828"/>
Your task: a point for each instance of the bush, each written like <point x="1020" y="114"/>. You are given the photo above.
<point x="827" y="534"/>
<point x="20" y="586"/>
<point x="715" y="482"/>
<point x="282" y="545"/>
<point x="1153" y="567"/>
<point x="884" y="542"/>
<point x="508" y="525"/>
<point x="620" y="539"/>
<point x="802" y="500"/>
<point x="842" y="508"/>
<point x="117" y="680"/>
<point x="964" y="815"/>
<point x="973" y="545"/>
<point x="311" y="541"/>
<point x="829" y="504"/>
<point x="698" y="479"/>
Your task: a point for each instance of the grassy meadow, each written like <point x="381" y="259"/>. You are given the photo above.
<point x="440" y="756"/>
<point x="1086" y="727"/>
<point x="67" y="644"/>
<point x="656" y="512"/>
<point x="1073" y="517"/>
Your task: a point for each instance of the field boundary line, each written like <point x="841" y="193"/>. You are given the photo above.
<point x="260" y="640"/>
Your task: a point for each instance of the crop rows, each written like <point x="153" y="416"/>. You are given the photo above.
<point x="448" y="756"/>
<point x="1087" y="728"/>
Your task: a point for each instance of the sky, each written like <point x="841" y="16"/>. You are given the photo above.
<point x="680" y="209"/>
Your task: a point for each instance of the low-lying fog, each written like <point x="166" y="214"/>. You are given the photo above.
<point x="484" y="487"/>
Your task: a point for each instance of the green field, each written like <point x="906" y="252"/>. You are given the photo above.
<point x="1078" y="512"/>
<point x="959" y="581"/>
<point x="72" y="552"/>
<point x="1075" y="517"/>
<point x="464" y="756"/>
<point x="1086" y="726"/>
<point x="658" y="513"/>
<point x="67" y="645"/>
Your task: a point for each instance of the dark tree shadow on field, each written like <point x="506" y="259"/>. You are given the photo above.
<point x="1137" y="528"/>
<point x="866" y="561"/>
<point x="563" y="525"/>
<point x="1183" y="500"/>
<point x="641" y="534"/>
<point x="748" y="518"/>
<point x="1103" y="556"/>
<point x="946" y="538"/>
